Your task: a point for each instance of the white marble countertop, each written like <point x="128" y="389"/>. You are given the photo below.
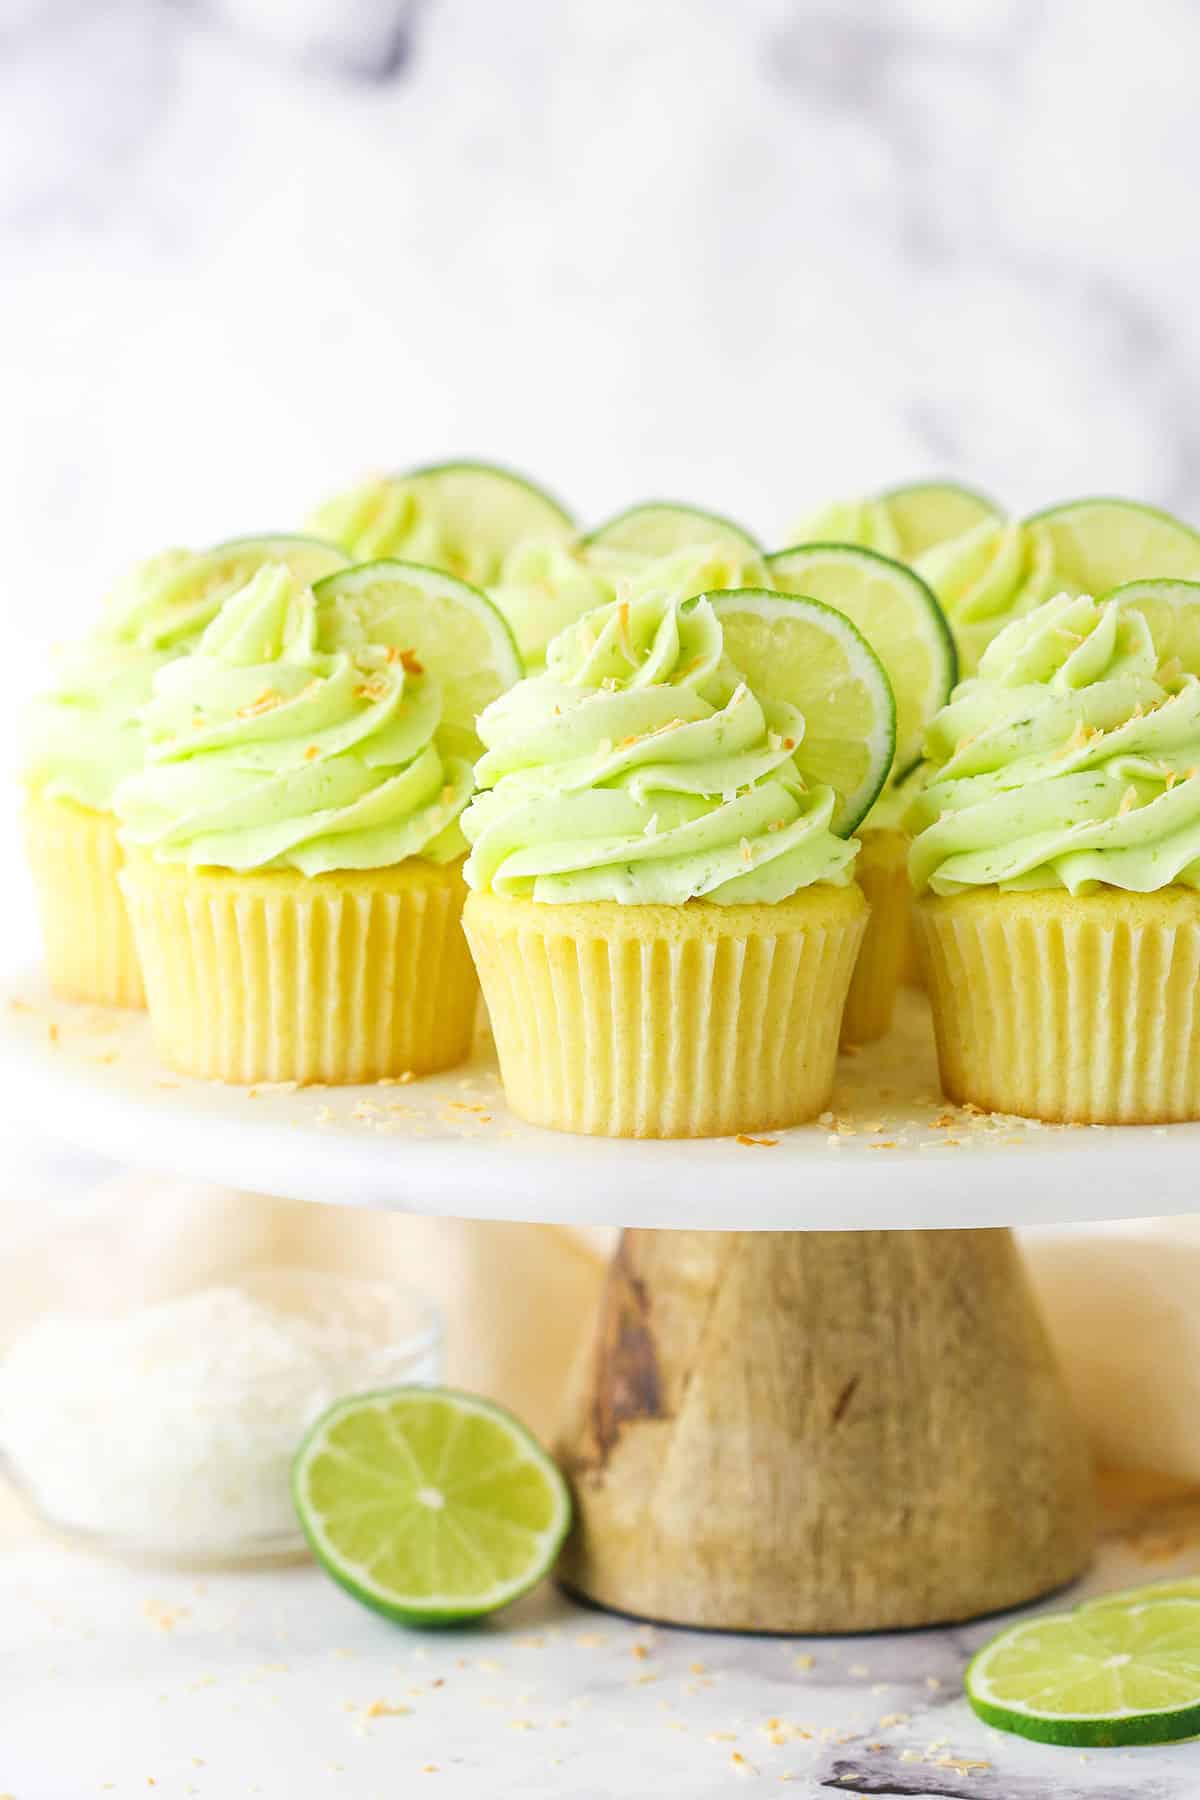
<point x="273" y="1684"/>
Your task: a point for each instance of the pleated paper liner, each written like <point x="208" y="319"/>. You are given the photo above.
<point x="280" y="976"/>
<point x="76" y="859"/>
<point x="667" y="1021"/>
<point x="1079" y="1010"/>
<point x="882" y="873"/>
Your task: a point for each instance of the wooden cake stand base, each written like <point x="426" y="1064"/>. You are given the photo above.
<point x="821" y="1432"/>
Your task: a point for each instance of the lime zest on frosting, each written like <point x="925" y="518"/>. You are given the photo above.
<point x="289" y="739"/>
<point x="641" y="768"/>
<point x="1069" y="760"/>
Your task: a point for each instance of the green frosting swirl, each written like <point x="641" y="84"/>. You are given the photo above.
<point x="386" y="516"/>
<point x="641" y="768"/>
<point x="85" y="735"/>
<point x="997" y="571"/>
<point x="1070" y="760"/>
<point x="287" y="740"/>
<point x="544" y="587"/>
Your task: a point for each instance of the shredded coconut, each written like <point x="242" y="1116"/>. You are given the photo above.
<point x="174" y="1426"/>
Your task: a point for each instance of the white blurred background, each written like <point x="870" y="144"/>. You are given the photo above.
<point x="748" y="252"/>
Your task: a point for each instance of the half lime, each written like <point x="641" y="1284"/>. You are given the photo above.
<point x="428" y="1505"/>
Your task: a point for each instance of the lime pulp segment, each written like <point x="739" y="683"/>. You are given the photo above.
<point x="1172" y="611"/>
<point x="451" y="628"/>
<point x="464" y="517"/>
<point x="191" y="594"/>
<point x="899" y="617"/>
<point x="428" y="1505"/>
<point x="1095" y="545"/>
<point x="659" y="527"/>
<point x="797" y="649"/>
<point x="1103" y="1675"/>
<point x="925" y="513"/>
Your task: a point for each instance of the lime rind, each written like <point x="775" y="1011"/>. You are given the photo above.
<point x="879" y="743"/>
<point x="887" y="636"/>
<point x="1172" y="611"/>
<point x="1187" y="1588"/>
<point x="555" y="512"/>
<point x="1174" y="551"/>
<point x="430" y="1607"/>
<point x="467" y="688"/>
<point x="924" y="513"/>
<point x="1090" y="1679"/>
<point x="647" y="529"/>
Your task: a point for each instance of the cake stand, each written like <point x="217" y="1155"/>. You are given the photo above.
<point x="818" y="1395"/>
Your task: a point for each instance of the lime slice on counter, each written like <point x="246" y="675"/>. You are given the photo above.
<point x="660" y="527"/>
<point x="1186" y="1589"/>
<point x="897" y="614"/>
<point x="1172" y="611"/>
<point x="427" y="1505"/>
<point x="1103" y="1675"/>
<point x="797" y="649"/>
<point x="193" y="590"/>
<point x="1095" y="545"/>
<point x="925" y="513"/>
<point x="463" y="516"/>
<point x="450" y="627"/>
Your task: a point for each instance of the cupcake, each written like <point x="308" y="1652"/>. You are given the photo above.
<point x="882" y="873"/>
<point x="1056" y="855"/>
<point x="902" y="522"/>
<point x="85" y="736"/>
<point x="1001" y="569"/>
<point x="294" y="853"/>
<point x="546" y="587"/>
<point x="461" y="517"/>
<point x="663" y="921"/>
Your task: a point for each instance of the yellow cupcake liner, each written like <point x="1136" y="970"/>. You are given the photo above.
<point x="667" y="1021"/>
<point x="1079" y="1009"/>
<point x="279" y="976"/>
<point x="882" y="873"/>
<point x="76" y="859"/>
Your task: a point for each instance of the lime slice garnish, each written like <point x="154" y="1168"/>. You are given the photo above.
<point x="902" y="522"/>
<point x="1103" y="1675"/>
<point x="900" y="619"/>
<point x="1095" y="545"/>
<point x="659" y="527"/>
<point x="450" y="627"/>
<point x="1186" y="1589"/>
<point x="427" y="1505"/>
<point x="797" y="649"/>
<point x="925" y="513"/>
<point x="1172" y="611"/>
<point x="464" y="517"/>
<point x="192" y="590"/>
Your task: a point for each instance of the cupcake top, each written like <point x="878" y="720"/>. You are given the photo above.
<point x="998" y="570"/>
<point x="384" y="516"/>
<point x="287" y="740"/>
<point x="547" y="586"/>
<point x="641" y="768"/>
<point x="84" y="736"/>
<point x="1070" y="760"/>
